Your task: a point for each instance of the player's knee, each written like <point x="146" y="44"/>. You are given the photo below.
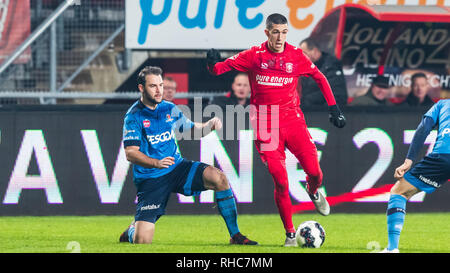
<point x="394" y="189"/>
<point x="281" y="188"/>
<point x="143" y="239"/>
<point x="404" y="188"/>
<point x="280" y="177"/>
<point x="144" y="232"/>
<point x="218" y="181"/>
<point x="222" y="182"/>
<point x="315" y="175"/>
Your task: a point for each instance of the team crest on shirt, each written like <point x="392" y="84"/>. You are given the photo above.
<point x="146" y="123"/>
<point x="168" y="118"/>
<point x="289" y="67"/>
<point x="264" y="65"/>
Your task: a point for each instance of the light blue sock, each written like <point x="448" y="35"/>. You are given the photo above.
<point x="228" y="210"/>
<point x="396" y="212"/>
<point x="130" y="233"/>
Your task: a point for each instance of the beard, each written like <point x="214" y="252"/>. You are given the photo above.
<point x="151" y="100"/>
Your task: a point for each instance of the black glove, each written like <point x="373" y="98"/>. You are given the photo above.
<point x="336" y="116"/>
<point x="212" y="57"/>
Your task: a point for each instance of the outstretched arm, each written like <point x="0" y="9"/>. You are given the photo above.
<point x="205" y="128"/>
<point x="241" y="62"/>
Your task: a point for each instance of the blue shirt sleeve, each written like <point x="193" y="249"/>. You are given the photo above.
<point x="434" y="112"/>
<point x="182" y="123"/>
<point x="131" y="132"/>
<point x="422" y="131"/>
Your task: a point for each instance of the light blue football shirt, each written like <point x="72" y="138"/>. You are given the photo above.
<point x="440" y="113"/>
<point x="154" y="132"/>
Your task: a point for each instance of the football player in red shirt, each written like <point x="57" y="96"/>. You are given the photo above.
<point x="273" y="69"/>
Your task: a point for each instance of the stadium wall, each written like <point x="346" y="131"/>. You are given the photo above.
<point x="68" y="160"/>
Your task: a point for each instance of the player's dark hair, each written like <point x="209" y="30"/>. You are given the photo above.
<point x="148" y="70"/>
<point x="275" y="19"/>
<point x="310" y="43"/>
<point x="416" y="76"/>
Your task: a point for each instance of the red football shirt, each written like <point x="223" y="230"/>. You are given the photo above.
<point x="274" y="78"/>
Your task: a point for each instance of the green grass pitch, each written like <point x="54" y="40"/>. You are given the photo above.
<point x="345" y="233"/>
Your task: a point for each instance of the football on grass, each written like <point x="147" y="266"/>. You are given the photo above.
<point x="310" y="234"/>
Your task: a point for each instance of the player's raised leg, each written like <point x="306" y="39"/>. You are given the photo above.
<point x="215" y="180"/>
<point x="301" y="144"/>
